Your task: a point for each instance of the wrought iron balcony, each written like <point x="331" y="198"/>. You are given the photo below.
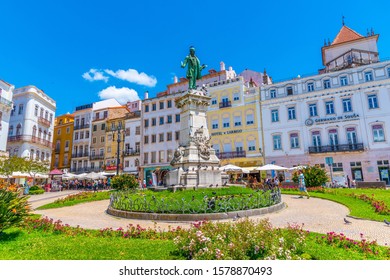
<point x="236" y="154"/>
<point x="30" y="138"/>
<point x="131" y="152"/>
<point x="7" y="104"/>
<point x="225" y="104"/>
<point x="43" y="121"/>
<point x="96" y="157"/>
<point x="336" y="148"/>
<point x="81" y="126"/>
<point x="77" y="155"/>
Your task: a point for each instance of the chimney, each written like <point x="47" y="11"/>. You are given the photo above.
<point x="146" y="95"/>
<point x="175" y="79"/>
<point x="222" y="66"/>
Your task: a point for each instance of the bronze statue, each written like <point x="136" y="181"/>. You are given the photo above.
<point x="194" y="68"/>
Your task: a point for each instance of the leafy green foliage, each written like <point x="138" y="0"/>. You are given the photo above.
<point x="36" y="190"/>
<point x="124" y="182"/>
<point x="13" y="208"/>
<point x="14" y="164"/>
<point x="315" y="176"/>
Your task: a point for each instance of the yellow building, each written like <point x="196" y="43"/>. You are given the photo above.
<point x="116" y="119"/>
<point x="63" y="139"/>
<point x="234" y="120"/>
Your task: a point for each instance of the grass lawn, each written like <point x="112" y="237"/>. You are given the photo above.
<point x="358" y="208"/>
<point x="18" y="244"/>
<point x="77" y="199"/>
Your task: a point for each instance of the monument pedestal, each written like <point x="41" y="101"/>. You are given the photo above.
<point x="195" y="162"/>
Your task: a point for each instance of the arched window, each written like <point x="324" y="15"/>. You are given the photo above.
<point x="49" y="137"/>
<point x="18" y="130"/>
<point x="44" y="134"/>
<point x="11" y="130"/>
<point x="42" y="111"/>
<point x="42" y="156"/>
<point x="40" y="134"/>
<point x="47" y="115"/>
<point x="34" y="131"/>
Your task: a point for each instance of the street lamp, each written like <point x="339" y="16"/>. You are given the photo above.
<point x="119" y="131"/>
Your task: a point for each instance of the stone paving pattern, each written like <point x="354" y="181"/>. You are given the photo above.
<point x="317" y="215"/>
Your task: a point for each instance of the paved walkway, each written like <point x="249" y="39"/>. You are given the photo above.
<point x="315" y="214"/>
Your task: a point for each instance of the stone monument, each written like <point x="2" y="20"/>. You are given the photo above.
<point x="194" y="161"/>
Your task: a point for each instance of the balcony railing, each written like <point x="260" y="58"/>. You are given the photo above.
<point x="96" y="157"/>
<point x="5" y="102"/>
<point x="85" y="169"/>
<point x="30" y="138"/>
<point x="81" y="126"/>
<point x="131" y="153"/>
<point x="77" y="155"/>
<point x="43" y="121"/>
<point x="336" y="148"/>
<point x="235" y="154"/>
<point x="225" y="104"/>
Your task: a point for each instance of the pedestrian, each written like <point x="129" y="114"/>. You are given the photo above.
<point x="353" y="184"/>
<point x="302" y="184"/>
<point x="348" y="182"/>
<point x="144" y="183"/>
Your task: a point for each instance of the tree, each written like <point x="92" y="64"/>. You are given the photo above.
<point x="11" y="164"/>
<point x="33" y="167"/>
<point x="315" y="176"/>
<point x="124" y="182"/>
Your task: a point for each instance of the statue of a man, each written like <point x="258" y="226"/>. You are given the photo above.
<point x="194" y="68"/>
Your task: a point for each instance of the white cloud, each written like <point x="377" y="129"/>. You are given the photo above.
<point x="95" y="75"/>
<point x="123" y="95"/>
<point x="132" y="76"/>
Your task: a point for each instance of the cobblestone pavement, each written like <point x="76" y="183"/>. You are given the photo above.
<point x="315" y="214"/>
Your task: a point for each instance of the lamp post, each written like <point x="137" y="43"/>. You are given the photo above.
<point x="117" y="149"/>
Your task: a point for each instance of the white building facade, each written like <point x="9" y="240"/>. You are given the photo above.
<point x="6" y="94"/>
<point x="132" y="149"/>
<point x="30" y="132"/>
<point x="342" y="113"/>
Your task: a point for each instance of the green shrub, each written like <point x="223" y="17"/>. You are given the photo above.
<point x="40" y="191"/>
<point x="35" y="188"/>
<point x="13" y="208"/>
<point x="124" y="182"/>
<point x="315" y="176"/>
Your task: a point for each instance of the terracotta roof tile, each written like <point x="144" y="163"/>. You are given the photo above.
<point x="346" y="34"/>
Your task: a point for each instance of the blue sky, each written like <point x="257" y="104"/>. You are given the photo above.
<point x="134" y="46"/>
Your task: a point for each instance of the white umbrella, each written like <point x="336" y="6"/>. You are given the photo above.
<point x="19" y="174"/>
<point x="299" y="167"/>
<point x="81" y="176"/>
<point x="231" y="168"/>
<point x="95" y="176"/>
<point x="41" y="176"/>
<point x="271" y="167"/>
<point x="69" y="176"/>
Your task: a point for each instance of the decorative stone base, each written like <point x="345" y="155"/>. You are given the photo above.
<point x="194" y="217"/>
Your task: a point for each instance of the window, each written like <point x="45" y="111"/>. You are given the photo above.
<point x="378" y="133"/>
<point x="161" y="105"/>
<point x="239" y="147"/>
<point x="291" y="113"/>
<point x="109" y="137"/>
<point x="146" y="123"/>
<point x="154" y="121"/>
<point x="326" y="83"/>
<point x="87" y="134"/>
<point x="127" y="131"/>
<point x="46" y="115"/>
<point x="388" y="72"/>
<point x="289" y="90"/>
<point x="177" y="118"/>
<point x="277" y="141"/>
<point x="213" y="101"/>
<point x="169" y="104"/>
<point x="344" y="81"/>
<point x="108" y="149"/>
<point x="252" y="145"/>
<point x="67" y="144"/>
<point x="146" y="156"/>
<point x="146" y="108"/>
<point x="372" y="101"/>
<point x="20" y="109"/>
<point x="103" y="126"/>
<point x="275" y="115"/>
<point x="169" y="136"/>
<point x="127" y="163"/>
<point x="347" y="105"/>
<point x="81" y="135"/>
<point x="294" y="141"/>
<point x="169" y="119"/>
<point x="161" y="156"/>
<point x="161" y="137"/>
<point x="154" y="107"/>
<point x="94" y="140"/>
<point x="102" y="138"/>
<point x="313" y="110"/>
<point x="41" y="114"/>
<point x="214" y="124"/>
<point x="226" y="122"/>
<point x="146" y="139"/>
<point x="154" y="138"/>
<point x="237" y="121"/>
<point x="11" y="130"/>
<point x="94" y="127"/>
<point x="216" y="148"/>
<point x="51" y="117"/>
<point x="310" y="87"/>
<point x="337" y="166"/>
<point x="59" y="132"/>
<point x="153" y="157"/>
<point x="177" y="135"/>
<point x="236" y="96"/>
<point x="19" y="130"/>
<point x="250" y="119"/>
<point x="329" y="107"/>
<point x="137" y="130"/>
<point x="273" y="93"/>
<point x="76" y="136"/>
<point x="105" y="114"/>
<point x="161" y="121"/>
<point x="368" y="76"/>
<point x="36" y="111"/>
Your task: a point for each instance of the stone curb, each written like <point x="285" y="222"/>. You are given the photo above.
<point x="194" y="217"/>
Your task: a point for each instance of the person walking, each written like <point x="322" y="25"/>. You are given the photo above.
<point x="302" y="185"/>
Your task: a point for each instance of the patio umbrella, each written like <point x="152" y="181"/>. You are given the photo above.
<point x="69" y="176"/>
<point x="231" y="168"/>
<point x="81" y="176"/>
<point x="299" y="167"/>
<point x="19" y="174"/>
<point x="55" y="172"/>
<point x="271" y="167"/>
